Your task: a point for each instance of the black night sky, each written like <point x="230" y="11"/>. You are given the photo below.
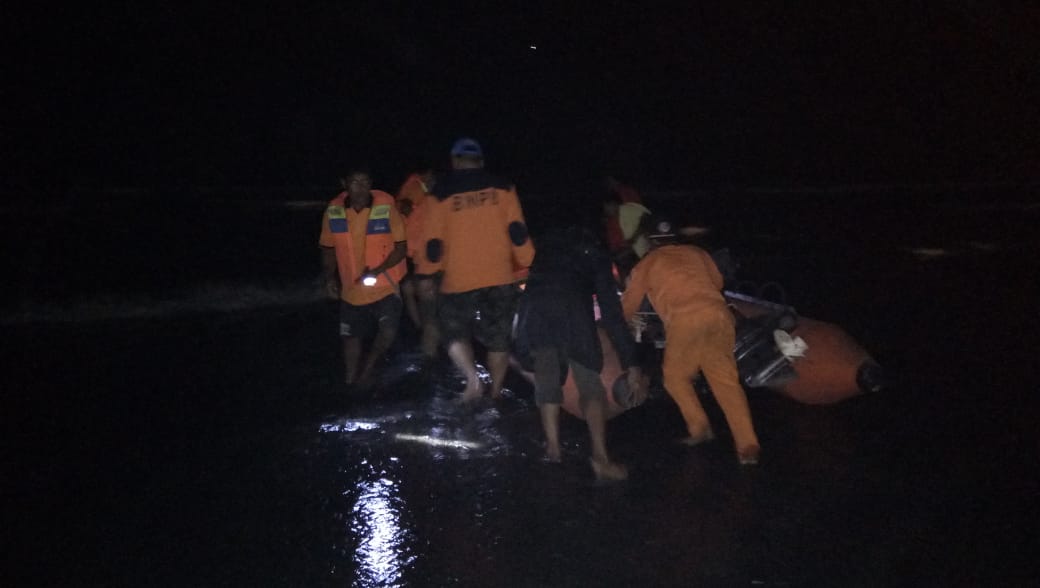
<point x="217" y="94"/>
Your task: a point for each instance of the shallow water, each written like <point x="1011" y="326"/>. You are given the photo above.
<point x="212" y="447"/>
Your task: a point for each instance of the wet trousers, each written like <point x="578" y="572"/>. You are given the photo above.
<point x="703" y="342"/>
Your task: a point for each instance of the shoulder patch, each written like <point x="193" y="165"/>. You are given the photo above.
<point x="434" y="250"/>
<point x="518" y="233"/>
<point x="337" y="219"/>
<point x="379" y="220"/>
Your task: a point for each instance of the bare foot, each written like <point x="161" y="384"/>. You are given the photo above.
<point x="749" y="455"/>
<point x="692" y="440"/>
<point x="552" y="454"/>
<point x="608" y="471"/>
<point x="474" y="390"/>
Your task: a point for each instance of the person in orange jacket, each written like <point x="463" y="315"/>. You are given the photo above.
<point x="419" y="289"/>
<point x="416" y="187"/>
<point x="363" y="243"/>
<point x="477" y="237"/>
<point x="684" y="286"/>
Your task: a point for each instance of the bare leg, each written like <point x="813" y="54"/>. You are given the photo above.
<point x="461" y="353"/>
<point x="426" y="291"/>
<point x="430" y="339"/>
<point x="551" y="426"/>
<point x="547" y="395"/>
<point x="411" y="306"/>
<point x="498" y="365"/>
<point x="382" y="342"/>
<point x="593" y="398"/>
<point x="594" y="411"/>
<point x="597" y="423"/>
<point x="351" y="358"/>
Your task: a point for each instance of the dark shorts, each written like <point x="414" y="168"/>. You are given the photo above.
<point x="364" y="320"/>
<point x="550" y="365"/>
<point x="484" y="313"/>
<point x="409" y="274"/>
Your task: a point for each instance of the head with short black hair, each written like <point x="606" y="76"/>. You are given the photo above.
<point x="358" y="184"/>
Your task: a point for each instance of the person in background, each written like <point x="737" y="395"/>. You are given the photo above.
<point x="419" y="290"/>
<point x="477" y="237"/>
<point x="627" y="225"/>
<point x="363" y="243"/>
<point x="684" y="287"/>
<point x="557" y="325"/>
<point x="416" y="187"/>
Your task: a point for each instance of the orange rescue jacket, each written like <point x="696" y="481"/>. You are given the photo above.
<point x="413" y="189"/>
<point x="475" y="231"/>
<point x="383" y="228"/>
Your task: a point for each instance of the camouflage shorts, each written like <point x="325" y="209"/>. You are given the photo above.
<point x="484" y="313"/>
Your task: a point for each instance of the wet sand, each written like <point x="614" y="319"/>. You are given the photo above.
<point x="215" y="448"/>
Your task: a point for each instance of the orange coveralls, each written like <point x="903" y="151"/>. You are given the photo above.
<point x="684" y="286"/>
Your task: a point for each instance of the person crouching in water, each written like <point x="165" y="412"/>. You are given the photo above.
<point x="684" y="286"/>
<point x="556" y="323"/>
<point x="363" y="241"/>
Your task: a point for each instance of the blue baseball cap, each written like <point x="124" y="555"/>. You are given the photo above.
<point x="466" y="147"/>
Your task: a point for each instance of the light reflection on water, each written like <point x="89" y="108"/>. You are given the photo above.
<point x="382" y="554"/>
<point x="347" y="426"/>
<point x="372" y="447"/>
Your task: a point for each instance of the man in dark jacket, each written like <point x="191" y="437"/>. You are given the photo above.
<point x="557" y="325"/>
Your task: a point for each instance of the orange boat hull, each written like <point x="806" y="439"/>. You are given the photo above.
<point x="830" y="370"/>
<point x="834" y="368"/>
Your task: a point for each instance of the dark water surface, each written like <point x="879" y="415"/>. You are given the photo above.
<point x="211" y="448"/>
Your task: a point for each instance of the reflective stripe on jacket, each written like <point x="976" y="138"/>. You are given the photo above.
<point x="379" y="243"/>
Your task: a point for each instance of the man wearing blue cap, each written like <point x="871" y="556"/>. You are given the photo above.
<point x="477" y="237"/>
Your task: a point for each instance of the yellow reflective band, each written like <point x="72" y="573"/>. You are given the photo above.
<point x="337" y="212"/>
<point x="380" y="211"/>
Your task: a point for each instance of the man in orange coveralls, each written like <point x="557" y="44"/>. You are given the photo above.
<point x="684" y="286"/>
<point x="477" y="236"/>
<point x="363" y="241"/>
<point x="419" y="289"/>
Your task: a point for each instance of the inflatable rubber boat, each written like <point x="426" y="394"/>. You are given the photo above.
<point x="807" y="360"/>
